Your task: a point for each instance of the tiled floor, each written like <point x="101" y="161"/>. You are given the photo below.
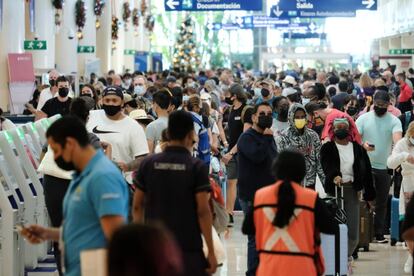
<point x="382" y="260"/>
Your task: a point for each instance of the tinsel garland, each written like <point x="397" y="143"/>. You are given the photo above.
<point x="149" y="23"/>
<point x="126" y="14"/>
<point x="98" y="8"/>
<point x="80" y="14"/>
<point x="115" y="29"/>
<point x="58" y="5"/>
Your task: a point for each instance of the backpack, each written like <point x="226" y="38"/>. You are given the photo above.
<point x="203" y="149"/>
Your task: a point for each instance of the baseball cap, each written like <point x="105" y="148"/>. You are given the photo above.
<point x="171" y="79"/>
<point x="236" y="88"/>
<point x="269" y="82"/>
<point x="113" y="90"/>
<point x="289" y="79"/>
<point x="289" y="91"/>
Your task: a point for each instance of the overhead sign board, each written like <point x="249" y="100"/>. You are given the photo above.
<point x="213" y="5"/>
<point x="401" y="51"/>
<point x="321" y="8"/>
<point x="86" y="49"/>
<point x="35" y="45"/>
<point x="304" y="36"/>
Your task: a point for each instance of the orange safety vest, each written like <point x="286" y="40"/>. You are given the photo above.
<point x="290" y="250"/>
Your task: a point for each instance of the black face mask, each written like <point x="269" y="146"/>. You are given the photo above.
<point x="265" y="121"/>
<point x="63" y="92"/>
<point x="380" y="111"/>
<point x="52" y="82"/>
<point x="283" y="113"/>
<point x="228" y="100"/>
<point x="87" y="95"/>
<point x="265" y="92"/>
<point x="66" y="166"/>
<point x="341" y="133"/>
<point x="111" y="110"/>
<point x="352" y="110"/>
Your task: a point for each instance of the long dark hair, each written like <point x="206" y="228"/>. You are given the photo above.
<point x="289" y="167"/>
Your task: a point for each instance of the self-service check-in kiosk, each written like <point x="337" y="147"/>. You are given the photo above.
<point x="42" y="125"/>
<point x="30" y="165"/>
<point x="25" y="191"/>
<point x="30" y="131"/>
<point x="12" y="214"/>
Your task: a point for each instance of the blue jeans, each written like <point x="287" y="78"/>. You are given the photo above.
<point x="252" y="256"/>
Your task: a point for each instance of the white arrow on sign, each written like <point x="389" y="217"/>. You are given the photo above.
<point x="40" y="44"/>
<point x="277" y="12"/>
<point x="368" y="3"/>
<point x="172" y="4"/>
<point x="210" y="26"/>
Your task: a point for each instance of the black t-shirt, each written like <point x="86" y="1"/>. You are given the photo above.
<point x="170" y="181"/>
<point x="54" y="106"/>
<point x="236" y="124"/>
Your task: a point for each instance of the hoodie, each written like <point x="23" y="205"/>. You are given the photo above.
<point x="307" y="143"/>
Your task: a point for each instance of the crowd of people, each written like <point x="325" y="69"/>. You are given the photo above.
<point x="172" y="136"/>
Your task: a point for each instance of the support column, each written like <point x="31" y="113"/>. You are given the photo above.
<point x="118" y="53"/>
<point x="130" y="37"/>
<point x="12" y="37"/>
<point x="66" y="41"/>
<point x="44" y="30"/>
<point x="104" y="38"/>
<point x="89" y="38"/>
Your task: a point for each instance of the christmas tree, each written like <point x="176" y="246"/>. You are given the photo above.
<point x="186" y="56"/>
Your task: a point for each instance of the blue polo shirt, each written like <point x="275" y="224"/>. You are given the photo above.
<point x="99" y="190"/>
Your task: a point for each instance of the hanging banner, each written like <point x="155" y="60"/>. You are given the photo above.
<point x="157" y="62"/>
<point x="32" y="16"/>
<point x="141" y="61"/>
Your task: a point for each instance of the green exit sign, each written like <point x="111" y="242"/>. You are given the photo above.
<point x="35" y="45"/>
<point x="129" y="52"/>
<point x="86" y="49"/>
<point x="401" y="51"/>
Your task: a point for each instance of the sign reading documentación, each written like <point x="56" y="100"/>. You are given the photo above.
<point x="213" y="5"/>
<point x="35" y="45"/>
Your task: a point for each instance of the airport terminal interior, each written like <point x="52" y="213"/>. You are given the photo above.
<point x="206" y="137"/>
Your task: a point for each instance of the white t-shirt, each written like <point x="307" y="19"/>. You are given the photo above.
<point x="126" y="136"/>
<point x="346" y="155"/>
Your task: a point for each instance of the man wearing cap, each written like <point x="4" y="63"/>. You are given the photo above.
<point x="379" y="131"/>
<point x="267" y="93"/>
<point x="240" y="120"/>
<point x="111" y="125"/>
<point x="171" y="82"/>
<point x="161" y="106"/>
<point x="292" y="95"/>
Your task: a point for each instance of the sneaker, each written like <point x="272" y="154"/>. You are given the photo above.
<point x="231" y="221"/>
<point x="355" y="254"/>
<point x="381" y="239"/>
<point x="408" y="264"/>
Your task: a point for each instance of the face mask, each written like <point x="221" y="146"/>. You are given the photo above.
<point x="380" y="111"/>
<point x="185" y="98"/>
<point x="111" y="110"/>
<point x="265" y="92"/>
<point x="257" y="91"/>
<point x="127" y="83"/>
<point x="265" y="121"/>
<point x="63" y="92"/>
<point x="300" y="123"/>
<point x="52" y="82"/>
<point x="341" y="133"/>
<point x="283" y="113"/>
<point x="305" y="101"/>
<point x="228" y="100"/>
<point x="139" y="90"/>
<point x="412" y="141"/>
<point x="64" y="165"/>
<point x="352" y="110"/>
<point x="86" y="95"/>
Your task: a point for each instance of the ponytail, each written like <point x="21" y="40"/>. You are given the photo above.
<point x="286" y="204"/>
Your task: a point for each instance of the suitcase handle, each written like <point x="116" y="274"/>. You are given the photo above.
<point x="341" y="196"/>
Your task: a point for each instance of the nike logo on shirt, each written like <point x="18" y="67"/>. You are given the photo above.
<point x="97" y="131"/>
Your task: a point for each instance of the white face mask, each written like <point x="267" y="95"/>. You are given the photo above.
<point x="411" y="140"/>
<point x="305" y="101"/>
<point x="139" y="90"/>
<point x="257" y="92"/>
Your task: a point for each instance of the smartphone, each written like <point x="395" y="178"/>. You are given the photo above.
<point x="371" y="145"/>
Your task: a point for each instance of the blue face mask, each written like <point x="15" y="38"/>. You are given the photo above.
<point x="185" y="98"/>
<point x="305" y="101"/>
<point x="139" y="90"/>
<point x="257" y="92"/>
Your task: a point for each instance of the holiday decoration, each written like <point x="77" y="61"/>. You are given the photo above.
<point x="126" y="15"/>
<point x="135" y="20"/>
<point x="144" y="7"/>
<point x="115" y="29"/>
<point x="186" y="56"/>
<point x="58" y="5"/>
<point x="149" y="23"/>
<point x="98" y="7"/>
<point x="80" y="14"/>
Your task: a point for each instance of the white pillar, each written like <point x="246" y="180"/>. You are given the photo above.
<point x="44" y="30"/>
<point x="66" y="41"/>
<point x="104" y="38"/>
<point x="130" y="37"/>
<point x="118" y="53"/>
<point x="12" y="37"/>
<point x="89" y="37"/>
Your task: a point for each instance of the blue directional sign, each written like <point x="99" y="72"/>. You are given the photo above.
<point x="304" y="36"/>
<point x="141" y="61"/>
<point x="216" y="5"/>
<point x="321" y="8"/>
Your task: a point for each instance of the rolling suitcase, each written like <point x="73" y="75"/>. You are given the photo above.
<point x="366" y="226"/>
<point x="395" y="221"/>
<point x="335" y="247"/>
<point x="335" y="252"/>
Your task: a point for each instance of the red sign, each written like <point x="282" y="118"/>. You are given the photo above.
<point x="21" y="68"/>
